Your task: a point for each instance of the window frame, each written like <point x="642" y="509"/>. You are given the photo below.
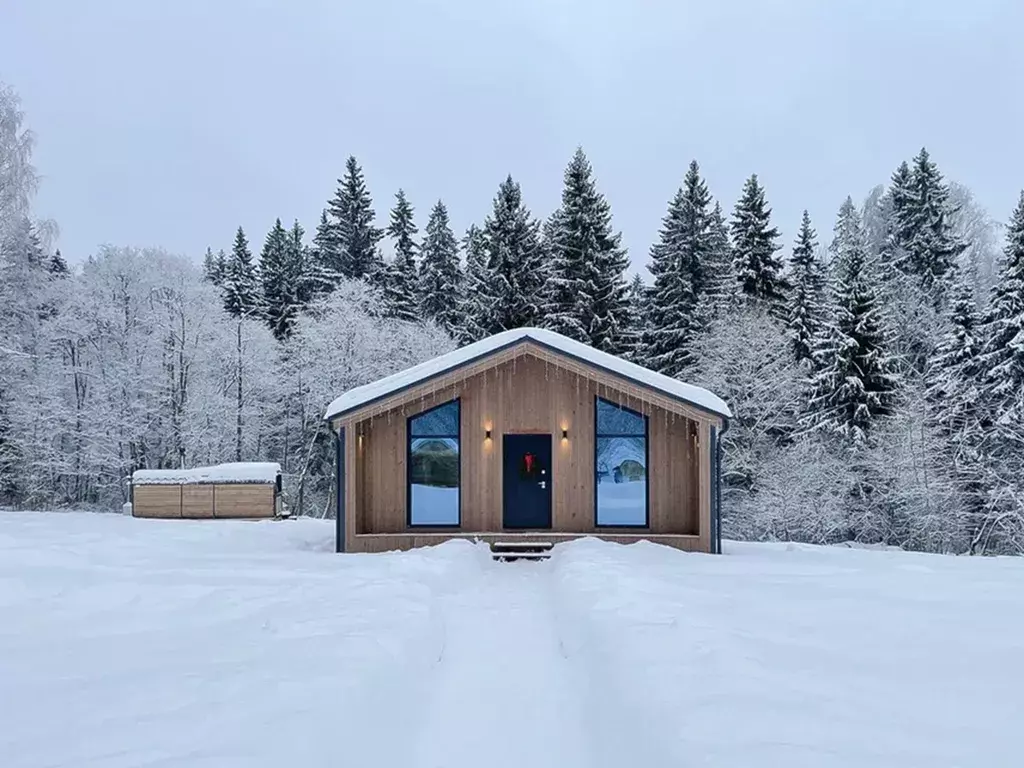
<point x="409" y="437"/>
<point x="647" y="461"/>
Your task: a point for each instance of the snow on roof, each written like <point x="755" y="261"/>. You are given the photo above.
<point x="360" y="396"/>
<point x="234" y="472"/>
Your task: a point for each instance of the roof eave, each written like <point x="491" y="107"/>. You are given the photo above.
<point x="516" y="342"/>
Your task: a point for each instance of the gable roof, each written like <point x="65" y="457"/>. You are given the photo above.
<point x="368" y="393"/>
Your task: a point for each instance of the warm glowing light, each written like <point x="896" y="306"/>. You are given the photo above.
<point x="487" y="431"/>
<point x="565" y="432"/>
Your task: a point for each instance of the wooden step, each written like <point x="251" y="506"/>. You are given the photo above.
<point x="521" y="550"/>
<point x="528" y="545"/>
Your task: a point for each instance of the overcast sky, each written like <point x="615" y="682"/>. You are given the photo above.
<point x="171" y="123"/>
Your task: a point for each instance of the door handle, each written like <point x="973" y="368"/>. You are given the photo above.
<point x="543" y="484"/>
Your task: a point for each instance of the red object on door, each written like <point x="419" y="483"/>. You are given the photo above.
<point x="528" y="459"/>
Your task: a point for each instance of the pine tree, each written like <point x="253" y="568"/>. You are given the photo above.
<point x="280" y="282"/>
<point x="854" y="382"/>
<point x="586" y="297"/>
<point x="678" y="301"/>
<point x="758" y="269"/>
<point x="440" y="276"/>
<point x="806" y="301"/>
<point x="1003" y="355"/>
<point x="516" y="271"/>
<point x="721" y="279"/>
<point x="239" y="285"/>
<point x="474" y="308"/>
<point x="401" y="288"/>
<point x="351" y="251"/>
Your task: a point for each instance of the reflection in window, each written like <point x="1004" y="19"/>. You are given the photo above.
<point x="434" y="466"/>
<point x="621" y="464"/>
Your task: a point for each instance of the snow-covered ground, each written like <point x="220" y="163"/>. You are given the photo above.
<point x="129" y="642"/>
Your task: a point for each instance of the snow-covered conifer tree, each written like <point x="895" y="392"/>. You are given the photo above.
<point x="280" y="281"/>
<point x="352" y="248"/>
<point x="806" y="299"/>
<point x="930" y="246"/>
<point x="854" y="382"/>
<point x="758" y="268"/>
<point x="720" y="278"/>
<point x="238" y="282"/>
<point x="473" y="306"/>
<point x="678" y="308"/>
<point x="586" y="295"/>
<point x="440" y="276"/>
<point x="637" y="302"/>
<point x="1003" y="354"/>
<point x="401" y="284"/>
<point x="516" y="270"/>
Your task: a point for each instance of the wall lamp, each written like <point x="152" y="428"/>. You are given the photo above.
<point x="487" y="433"/>
<point x="565" y="433"/>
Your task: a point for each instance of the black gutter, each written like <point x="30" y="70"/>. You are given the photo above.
<point x="339" y="516"/>
<point x="717" y="495"/>
<point x="543" y="345"/>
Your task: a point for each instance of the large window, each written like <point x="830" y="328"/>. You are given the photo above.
<point x="433" y="466"/>
<point x="621" y="465"/>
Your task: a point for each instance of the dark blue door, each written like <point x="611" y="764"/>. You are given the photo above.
<point x="527" y="481"/>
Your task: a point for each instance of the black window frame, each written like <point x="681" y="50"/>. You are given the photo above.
<point x="409" y="437"/>
<point x="647" y="456"/>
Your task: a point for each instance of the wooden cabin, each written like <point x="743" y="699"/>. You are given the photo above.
<point x="527" y="436"/>
<point x="246" y="490"/>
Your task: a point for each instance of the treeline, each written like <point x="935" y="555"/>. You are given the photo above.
<point x="876" y="379"/>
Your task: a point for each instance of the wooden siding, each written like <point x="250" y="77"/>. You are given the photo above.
<point x="197" y="501"/>
<point x="156" y="501"/>
<point x="241" y="501"/>
<point x="527" y="393"/>
<point x="621" y="384"/>
<point x="387" y="542"/>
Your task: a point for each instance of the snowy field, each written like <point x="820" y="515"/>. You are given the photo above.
<point x="218" y="643"/>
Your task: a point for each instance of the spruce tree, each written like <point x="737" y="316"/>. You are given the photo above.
<point x="758" y="269"/>
<point x="238" y="281"/>
<point x="440" y="276"/>
<point x="280" y="282"/>
<point x="955" y="370"/>
<point x="474" y="308"/>
<point x="1003" y="355"/>
<point x="586" y="297"/>
<point x="516" y="271"/>
<point x="58" y="266"/>
<point x="352" y="249"/>
<point x="854" y="382"/>
<point x="806" y="301"/>
<point x="678" y="301"/>
<point x="322" y="277"/>
<point x="301" y="261"/>
<point x="925" y="227"/>
<point x="212" y="271"/>
<point x="721" y="283"/>
<point x="401" y="289"/>
<point x="955" y="378"/>
<point x="637" y="302"/>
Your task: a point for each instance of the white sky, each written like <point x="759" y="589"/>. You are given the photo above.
<point x="171" y="123"/>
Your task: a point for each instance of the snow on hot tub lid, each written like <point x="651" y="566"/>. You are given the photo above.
<point x="256" y="472"/>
